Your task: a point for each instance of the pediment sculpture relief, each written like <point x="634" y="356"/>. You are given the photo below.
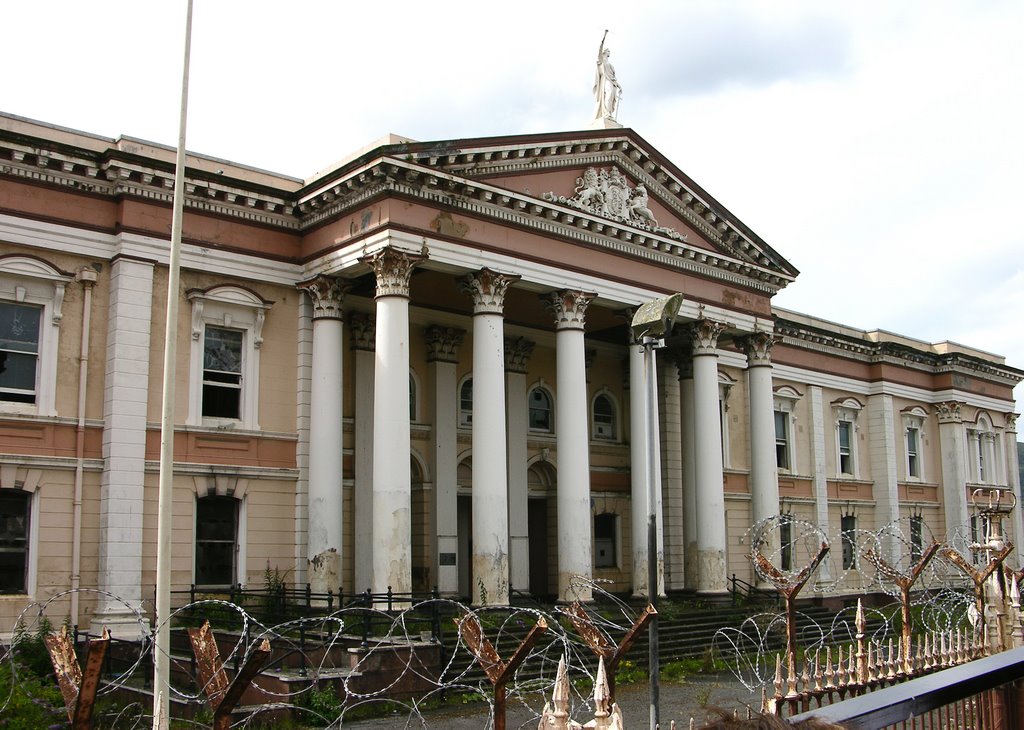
<point x="606" y="192"/>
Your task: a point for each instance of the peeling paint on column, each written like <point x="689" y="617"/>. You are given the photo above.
<point x="712" y="570"/>
<point x="324" y="571"/>
<point x="491" y="575"/>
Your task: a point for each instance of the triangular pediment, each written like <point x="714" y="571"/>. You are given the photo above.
<point x="610" y="174"/>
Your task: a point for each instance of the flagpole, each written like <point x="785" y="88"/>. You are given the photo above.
<point x="162" y="648"/>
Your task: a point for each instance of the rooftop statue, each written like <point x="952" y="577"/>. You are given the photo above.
<point x="607" y="91"/>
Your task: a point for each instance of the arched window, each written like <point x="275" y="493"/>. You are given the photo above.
<point x="604" y="421"/>
<point x="539" y="401"/>
<point x="466" y="403"/>
<point x="216" y="541"/>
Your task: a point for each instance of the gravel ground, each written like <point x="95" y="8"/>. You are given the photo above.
<point x="678" y="702"/>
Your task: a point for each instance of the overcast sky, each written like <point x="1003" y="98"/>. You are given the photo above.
<point x="876" y="145"/>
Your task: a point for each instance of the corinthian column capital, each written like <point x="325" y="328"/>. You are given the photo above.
<point x="949" y="411"/>
<point x="704" y="334"/>
<point x="327" y="294"/>
<point x="517" y="353"/>
<point x="362" y="330"/>
<point x="392" y="267"/>
<point x="1011" y="422"/>
<point x="758" y="348"/>
<point x="569" y="307"/>
<point x="487" y="289"/>
<point x="443" y="343"/>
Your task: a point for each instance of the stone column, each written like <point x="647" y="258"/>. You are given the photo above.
<point x="442" y="357"/>
<point x="883" y="436"/>
<point x="362" y="333"/>
<point x="954" y="471"/>
<point x="764" y="473"/>
<point x="517" y="354"/>
<point x="1016" y="523"/>
<point x="688" y="428"/>
<point x="392" y="491"/>
<point x="711" y="534"/>
<point x="575" y="526"/>
<point x="490" y="458"/>
<point x="126" y="387"/>
<point x="324" y="535"/>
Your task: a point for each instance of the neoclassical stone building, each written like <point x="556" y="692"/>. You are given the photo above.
<point x="414" y="370"/>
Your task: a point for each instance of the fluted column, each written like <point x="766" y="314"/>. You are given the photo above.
<point x="954" y="472"/>
<point x="442" y="357"/>
<point x="517" y="354"/>
<point x="575" y="526"/>
<point x="764" y="475"/>
<point x="326" y="509"/>
<point x="490" y="459"/>
<point x="392" y="518"/>
<point x="711" y="534"/>
<point x="361" y="335"/>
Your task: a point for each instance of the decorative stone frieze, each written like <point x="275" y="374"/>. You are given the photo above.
<point x="443" y="343"/>
<point x="949" y="411"/>
<point x="517" y="354"/>
<point x="392" y="267"/>
<point x="487" y="289"/>
<point x="569" y="307"/>
<point x="704" y="335"/>
<point x="362" y="331"/>
<point x="606" y="192"/>
<point x="758" y="348"/>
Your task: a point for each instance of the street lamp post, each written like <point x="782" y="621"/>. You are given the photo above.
<point x="651" y="324"/>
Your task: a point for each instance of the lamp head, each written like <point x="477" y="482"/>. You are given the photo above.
<point x="656" y="318"/>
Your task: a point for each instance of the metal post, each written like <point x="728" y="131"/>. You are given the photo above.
<point x="654" y="667"/>
<point x="162" y="650"/>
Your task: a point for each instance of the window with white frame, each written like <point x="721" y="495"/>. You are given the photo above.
<point x="785" y="402"/>
<point x="916" y="538"/>
<point x="216" y="546"/>
<point x="31" y="302"/>
<point x="604" y="418"/>
<point x="846" y="413"/>
<point x="541" y="409"/>
<point x="981" y="442"/>
<point x="848" y="525"/>
<point x="913" y="442"/>
<point x="605" y="540"/>
<point x="786" y="540"/>
<point x="227" y="334"/>
<point x="466" y="403"/>
<point x="725" y="383"/>
<point x="15" y="519"/>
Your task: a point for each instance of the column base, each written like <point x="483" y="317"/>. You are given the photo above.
<point x="121" y="622"/>
<point x="324" y="572"/>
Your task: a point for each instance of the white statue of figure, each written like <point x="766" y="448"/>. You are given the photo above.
<point x="638" y="206"/>
<point x="607" y="91"/>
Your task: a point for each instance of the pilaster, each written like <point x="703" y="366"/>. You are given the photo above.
<point x="882" y="439"/>
<point x="442" y="357"/>
<point x="517" y="355"/>
<point x="362" y="333"/>
<point x="952" y="443"/>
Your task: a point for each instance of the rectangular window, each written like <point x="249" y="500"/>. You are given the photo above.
<point x="14" y="524"/>
<point x="782" y="440"/>
<point x="19" y="352"/>
<point x="604" y="541"/>
<point x="845" y="432"/>
<point x="786" y="538"/>
<point x="916" y="539"/>
<point x="981" y="460"/>
<point x="913" y="453"/>
<point x="222" y="373"/>
<point x="216" y="540"/>
<point x="848" y="525"/>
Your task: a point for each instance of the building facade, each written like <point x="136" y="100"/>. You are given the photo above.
<point x="414" y="370"/>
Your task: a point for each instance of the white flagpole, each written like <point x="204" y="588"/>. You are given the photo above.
<point x="162" y="647"/>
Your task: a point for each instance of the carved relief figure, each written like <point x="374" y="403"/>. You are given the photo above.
<point x="607" y="91"/>
<point x="638" y="205"/>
